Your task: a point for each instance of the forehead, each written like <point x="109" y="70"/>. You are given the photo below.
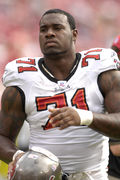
<point x="54" y="18"/>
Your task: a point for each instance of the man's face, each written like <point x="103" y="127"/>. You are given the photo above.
<point x="56" y="36"/>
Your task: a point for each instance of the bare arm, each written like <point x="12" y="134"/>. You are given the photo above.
<point x="107" y="124"/>
<point x="12" y="117"/>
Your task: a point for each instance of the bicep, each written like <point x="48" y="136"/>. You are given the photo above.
<point x="11" y="115"/>
<point x="109" y="83"/>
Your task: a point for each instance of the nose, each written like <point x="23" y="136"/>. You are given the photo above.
<point x="50" y="33"/>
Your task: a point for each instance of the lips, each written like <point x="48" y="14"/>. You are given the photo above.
<point x="50" y="43"/>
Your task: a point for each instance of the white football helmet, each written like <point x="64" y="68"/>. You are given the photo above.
<point x="38" y="164"/>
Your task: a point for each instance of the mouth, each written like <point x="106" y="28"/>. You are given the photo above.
<point x="50" y="43"/>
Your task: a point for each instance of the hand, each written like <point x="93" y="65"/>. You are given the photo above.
<point x="64" y="117"/>
<point x="12" y="166"/>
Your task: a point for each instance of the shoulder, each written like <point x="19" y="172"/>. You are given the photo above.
<point x="103" y="53"/>
<point x="15" y="69"/>
<point x="101" y="59"/>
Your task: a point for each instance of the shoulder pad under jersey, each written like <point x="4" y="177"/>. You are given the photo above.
<point x="100" y="59"/>
<point x="14" y="71"/>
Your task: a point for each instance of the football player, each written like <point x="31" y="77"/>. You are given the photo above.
<point x="64" y="96"/>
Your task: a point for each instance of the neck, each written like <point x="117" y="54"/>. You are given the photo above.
<point x="60" y="67"/>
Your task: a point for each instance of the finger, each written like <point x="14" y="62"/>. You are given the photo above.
<point x="53" y="112"/>
<point x="58" y="117"/>
<point x="11" y="170"/>
<point x="57" y="110"/>
<point x="66" y="121"/>
<point x="65" y="125"/>
<point x="12" y="166"/>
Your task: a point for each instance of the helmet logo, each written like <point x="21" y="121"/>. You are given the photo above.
<point x="52" y="177"/>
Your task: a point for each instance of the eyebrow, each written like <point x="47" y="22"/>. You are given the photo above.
<point x="54" y="25"/>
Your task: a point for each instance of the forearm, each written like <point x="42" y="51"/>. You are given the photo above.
<point x="7" y="149"/>
<point x="12" y="117"/>
<point x="107" y="124"/>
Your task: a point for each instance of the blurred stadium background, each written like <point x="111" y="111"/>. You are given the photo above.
<point x="98" y="23"/>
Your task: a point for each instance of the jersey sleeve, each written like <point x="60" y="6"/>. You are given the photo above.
<point x="11" y="76"/>
<point x="107" y="59"/>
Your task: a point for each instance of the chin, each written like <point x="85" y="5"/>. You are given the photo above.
<point x="54" y="53"/>
<point x="51" y="53"/>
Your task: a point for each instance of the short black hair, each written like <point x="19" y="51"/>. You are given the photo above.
<point x="70" y="18"/>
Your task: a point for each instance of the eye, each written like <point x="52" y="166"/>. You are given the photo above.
<point x="58" y="27"/>
<point x="42" y="30"/>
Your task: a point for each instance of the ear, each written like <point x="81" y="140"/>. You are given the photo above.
<point x="75" y="33"/>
